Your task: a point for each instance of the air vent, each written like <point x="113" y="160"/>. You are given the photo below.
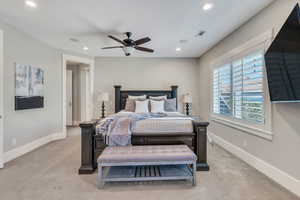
<point x="201" y="33"/>
<point x="74" y="40"/>
<point x="183" y="41"/>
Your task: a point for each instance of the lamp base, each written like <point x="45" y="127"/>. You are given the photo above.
<point x="103" y="110"/>
<point x="187" y="109"/>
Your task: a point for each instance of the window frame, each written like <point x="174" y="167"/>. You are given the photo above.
<point x="264" y="130"/>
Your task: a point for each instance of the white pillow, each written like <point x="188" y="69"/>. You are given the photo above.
<point x="142" y="106"/>
<point x="157" y="106"/>
<point x="158" y="97"/>
<point x="137" y="97"/>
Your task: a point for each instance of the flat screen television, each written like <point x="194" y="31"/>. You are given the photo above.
<point x="283" y="61"/>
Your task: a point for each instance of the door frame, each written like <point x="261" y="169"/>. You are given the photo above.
<point x="89" y="105"/>
<point x="70" y="82"/>
<point x="1" y="101"/>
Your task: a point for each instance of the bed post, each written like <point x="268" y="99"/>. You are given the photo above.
<point x="87" y="147"/>
<point x="174" y="93"/>
<point x="200" y="148"/>
<point x="117" y="98"/>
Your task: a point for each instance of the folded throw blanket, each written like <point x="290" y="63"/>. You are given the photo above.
<point x="116" y="129"/>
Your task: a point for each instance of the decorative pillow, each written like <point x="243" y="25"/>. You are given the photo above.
<point x="170" y="105"/>
<point x="142" y="106"/>
<point x="158" y="98"/>
<point x="137" y="97"/>
<point x="157" y="106"/>
<point x="130" y="104"/>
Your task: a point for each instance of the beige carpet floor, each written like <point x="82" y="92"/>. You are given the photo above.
<point x="51" y="173"/>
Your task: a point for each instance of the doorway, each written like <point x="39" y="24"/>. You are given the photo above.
<point x="1" y="101"/>
<point x="77" y="93"/>
<point x="78" y="78"/>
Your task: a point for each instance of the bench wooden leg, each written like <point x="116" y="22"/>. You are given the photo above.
<point x="194" y="174"/>
<point x="100" y="182"/>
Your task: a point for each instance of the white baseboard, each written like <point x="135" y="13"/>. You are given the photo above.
<point x="19" y="151"/>
<point x="59" y="136"/>
<point x="290" y="183"/>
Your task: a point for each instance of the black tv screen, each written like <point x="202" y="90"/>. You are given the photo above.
<point x="283" y="61"/>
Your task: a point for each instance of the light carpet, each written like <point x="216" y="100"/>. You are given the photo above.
<point x="51" y="173"/>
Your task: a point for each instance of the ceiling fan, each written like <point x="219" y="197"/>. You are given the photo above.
<point x="130" y="45"/>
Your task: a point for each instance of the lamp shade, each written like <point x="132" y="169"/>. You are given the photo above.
<point x="187" y="98"/>
<point x="104" y="96"/>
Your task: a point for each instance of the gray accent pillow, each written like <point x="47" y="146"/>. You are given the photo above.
<point x="170" y="105"/>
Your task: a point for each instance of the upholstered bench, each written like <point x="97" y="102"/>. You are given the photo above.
<point x="146" y="163"/>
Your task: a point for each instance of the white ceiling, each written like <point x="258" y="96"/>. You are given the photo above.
<point x="166" y="22"/>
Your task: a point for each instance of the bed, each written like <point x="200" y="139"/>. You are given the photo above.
<point x="93" y="144"/>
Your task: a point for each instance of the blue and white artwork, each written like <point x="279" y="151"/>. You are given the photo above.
<point x="29" y="87"/>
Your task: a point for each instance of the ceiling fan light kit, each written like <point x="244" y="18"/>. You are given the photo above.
<point x="128" y="50"/>
<point x="129" y="45"/>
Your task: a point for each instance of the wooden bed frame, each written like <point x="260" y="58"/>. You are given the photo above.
<point x="93" y="144"/>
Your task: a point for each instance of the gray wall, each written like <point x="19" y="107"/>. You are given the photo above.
<point x="283" y="151"/>
<point x="29" y="125"/>
<point x="146" y="73"/>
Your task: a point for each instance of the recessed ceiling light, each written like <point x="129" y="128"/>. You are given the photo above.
<point x="178" y="49"/>
<point x="31" y="4"/>
<point x="208" y="6"/>
<point x="85" y="48"/>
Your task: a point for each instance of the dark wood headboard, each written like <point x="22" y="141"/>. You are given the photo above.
<point x="121" y="95"/>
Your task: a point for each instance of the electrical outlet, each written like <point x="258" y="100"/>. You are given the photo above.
<point x="245" y="143"/>
<point x="14" y="142"/>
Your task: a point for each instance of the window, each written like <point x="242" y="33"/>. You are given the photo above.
<point x="238" y="90"/>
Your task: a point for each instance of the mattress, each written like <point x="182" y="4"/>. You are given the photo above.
<point x="163" y="125"/>
<point x="174" y="122"/>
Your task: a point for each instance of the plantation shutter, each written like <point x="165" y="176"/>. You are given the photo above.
<point x="238" y="89"/>
<point x="253" y="96"/>
<point x="222" y="90"/>
<point x="216" y="103"/>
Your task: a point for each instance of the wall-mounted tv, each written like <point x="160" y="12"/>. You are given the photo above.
<point x="283" y="61"/>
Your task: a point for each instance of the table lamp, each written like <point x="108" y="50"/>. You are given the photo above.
<point x="103" y="97"/>
<point x="187" y="99"/>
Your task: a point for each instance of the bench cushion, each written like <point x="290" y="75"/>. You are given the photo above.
<point x="165" y="153"/>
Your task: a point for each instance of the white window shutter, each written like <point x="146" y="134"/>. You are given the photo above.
<point x="216" y="103"/>
<point x="238" y="89"/>
<point x="253" y="94"/>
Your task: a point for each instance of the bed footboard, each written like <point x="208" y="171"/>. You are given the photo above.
<point x="92" y="145"/>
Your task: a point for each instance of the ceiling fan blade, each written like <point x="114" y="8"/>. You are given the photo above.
<point x="142" y="41"/>
<point x="144" y="49"/>
<point x="112" y="47"/>
<point x="116" y="39"/>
